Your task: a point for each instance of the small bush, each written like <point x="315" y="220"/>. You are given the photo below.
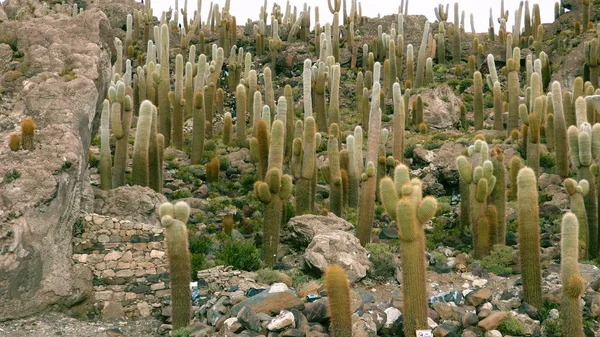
<point x="547" y="160"/>
<point x="382" y="260"/>
<point x="200" y="245"/>
<point x="500" y="260"/>
<point x="183" y="332"/>
<point x="512" y="326"/>
<point x="198" y="262"/>
<point x="240" y="254"/>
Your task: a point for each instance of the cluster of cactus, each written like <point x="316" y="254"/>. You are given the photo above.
<point x="174" y="218"/>
<point x="25" y="141"/>
<point x="403" y="201"/>
<point x="477" y="184"/>
<point x="577" y="192"/>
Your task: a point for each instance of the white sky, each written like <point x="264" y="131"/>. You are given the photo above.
<point x="244" y="9"/>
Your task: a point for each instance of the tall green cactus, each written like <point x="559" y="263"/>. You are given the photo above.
<point x="164" y="108"/>
<point x="121" y="114"/>
<point x="403" y="201"/>
<point x="303" y="166"/>
<point x="272" y="192"/>
<point x="240" y="121"/>
<point x="399" y="123"/>
<point x="478" y="100"/>
<point x="338" y="294"/>
<point x="367" y="197"/>
<point x="573" y="285"/>
<point x="498" y="107"/>
<point x="513" y="95"/>
<point x="198" y="129"/>
<point x="353" y="172"/>
<point x="105" y="157"/>
<point x="155" y="174"/>
<point x="174" y="218"/>
<point x="456" y="44"/>
<point x="289" y="121"/>
<point x="528" y="220"/>
<point x="478" y="174"/>
<point x="177" y="102"/>
<point x="422" y="57"/>
<point x="320" y="116"/>
<point x="585" y="149"/>
<point x="560" y="132"/>
<point x="140" y="170"/>
<point x="336" y="205"/>
<point x="498" y="196"/>
<point x="576" y="193"/>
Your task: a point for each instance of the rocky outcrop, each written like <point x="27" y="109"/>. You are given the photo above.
<point x="133" y="203"/>
<point x="441" y="107"/>
<point x="300" y="230"/>
<point x="43" y="191"/>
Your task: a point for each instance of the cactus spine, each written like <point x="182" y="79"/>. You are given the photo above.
<point x="573" y="286"/>
<point x="403" y="201"/>
<point x="174" y="218"/>
<point x="338" y="293"/>
<point x="528" y="220"/>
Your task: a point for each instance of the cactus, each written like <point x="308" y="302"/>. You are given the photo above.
<point x="550" y="141"/>
<point x="441" y="44"/>
<point x="513" y="94"/>
<point x="422" y="57"/>
<point x="335" y="176"/>
<point x="227" y="126"/>
<point x="27" y="130"/>
<point x="560" y="132"/>
<point x="399" y="122"/>
<point x="213" y="168"/>
<point x="478" y="174"/>
<point x="367" y="197"/>
<point x="403" y="201"/>
<point x="478" y="100"/>
<point x="334" y="102"/>
<point x="532" y="121"/>
<point x="338" y="294"/>
<point x="105" y="157"/>
<point x="584" y="149"/>
<point x="498" y="107"/>
<point x="576" y="193"/>
<point x="14" y="143"/>
<point x="140" y="170"/>
<point x="289" y="121"/>
<point x="155" y="176"/>
<point x="410" y="65"/>
<point x="174" y="218"/>
<point x="591" y="51"/>
<point x="429" y="72"/>
<point x="275" y="188"/>
<point x="164" y="108"/>
<point x="240" y="121"/>
<point x="199" y="126"/>
<point x="320" y="116"/>
<point x="586" y="15"/>
<point x="573" y="285"/>
<point x="456" y="47"/>
<point x="498" y="197"/>
<point x="529" y="237"/>
<point x="303" y="166"/>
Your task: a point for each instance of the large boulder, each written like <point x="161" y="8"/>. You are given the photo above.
<point x="300" y="230"/>
<point x="43" y="191"/>
<point x="341" y="248"/>
<point x="134" y="203"/>
<point x="441" y="107"/>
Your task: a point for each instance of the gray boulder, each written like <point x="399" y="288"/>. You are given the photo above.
<point x="300" y="230"/>
<point x="341" y="248"/>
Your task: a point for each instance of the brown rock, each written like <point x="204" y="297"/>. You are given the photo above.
<point x="493" y="320"/>
<point x="479" y="296"/>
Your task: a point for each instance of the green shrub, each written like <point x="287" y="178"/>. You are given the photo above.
<point x="183" y="332"/>
<point x="512" y="326"/>
<point x="547" y="160"/>
<point x="500" y="260"/>
<point x="240" y="254"/>
<point x="269" y="276"/>
<point x="464" y="85"/>
<point x="198" y="262"/>
<point x="190" y="174"/>
<point x="382" y="260"/>
<point x="200" y="245"/>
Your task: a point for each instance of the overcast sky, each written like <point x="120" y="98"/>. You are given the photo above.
<point x="244" y="9"/>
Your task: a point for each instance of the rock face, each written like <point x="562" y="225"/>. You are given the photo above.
<point x="341" y="248"/>
<point x="134" y="203"/>
<point x="441" y="109"/>
<point x="41" y="202"/>
<point x="300" y="230"/>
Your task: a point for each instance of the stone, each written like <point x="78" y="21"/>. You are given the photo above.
<point x="393" y="315"/>
<point x="493" y="333"/>
<point x="113" y="256"/>
<point x="364" y="326"/>
<point x="493" y="320"/>
<point x="439" y="113"/>
<point x="144" y="309"/>
<point x="452" y="296"/>
<point x="269" y="303"/>
<point x="341" y="248"/>
<point x="232" y="325"/>
<point x="293" y="333"/>
<point x="135" y="203"/>
<point x="479" y="296"/>
<point x="469" y="319"/>
<point x="317" y="311"/>
<point x="248" y="319"/>
<point x="278" y="288"/>
<point x="300" y="230"/>
<point x="112" y="310"/>
<point x="283" y="320"/>
<point x="114" y="332"/>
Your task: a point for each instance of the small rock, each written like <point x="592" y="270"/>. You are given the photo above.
<point x="283" y="320"/>
<point x="392" y="316"/>
<point x="248" y="319"/>
<point x="114" y="332"/>
<point x="278" y="288"/>
<point x="493" y="333"/>
<point x="493" y="320"/>
<point x="479" y="296"/>
<point x="469" y="319"/>
<point x="451" y="296"/>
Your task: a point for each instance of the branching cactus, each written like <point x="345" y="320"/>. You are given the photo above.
<point x="528" y="220"/>
<point x="272" y="192"/>
<point x="585" y="148"/>
<point x="120" y="124"/>
<point x="422" y="57"/>
<point x="174" y="218"/>
<point x="573" y="285"/>
<point x="338" y="294"/>
<point x="367" y="197"/>
<point x="498" y="107"/>
<point x="576" y="193"/>
<point x="321" y="117"/>
<point x="478" y="174"/>
<point x="403" y="201"/>
<point x="303" y="166"/>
